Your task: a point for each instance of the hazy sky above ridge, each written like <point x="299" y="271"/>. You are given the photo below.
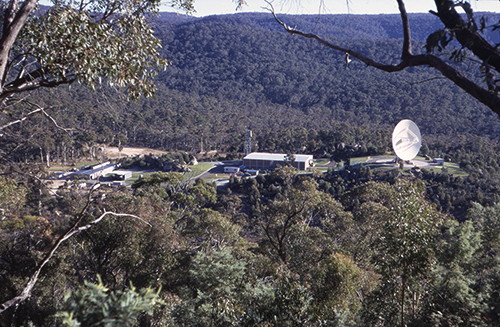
<point x="214" y="7"/>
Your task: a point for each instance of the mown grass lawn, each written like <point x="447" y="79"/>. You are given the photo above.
<point x="213" y="177"/>
<point x="137" y="174"/>
<point x="454" y="169"/>
<point x="77" y="165"/>
<point x="451" y="168"/>
<point x="358" y="160"/>
<point x="198" y="169"/>
<point x="320" y="162"/>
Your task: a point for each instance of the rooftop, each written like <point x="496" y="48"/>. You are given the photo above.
<point x="277" y="156"/>
<point x="94" y="170"/>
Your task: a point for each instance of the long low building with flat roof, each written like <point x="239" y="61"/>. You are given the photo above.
<point x="94" y="172"/>
<point x="262" y="160"/>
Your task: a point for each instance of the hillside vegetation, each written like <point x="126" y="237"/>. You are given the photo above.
<point x="232" y="72"/>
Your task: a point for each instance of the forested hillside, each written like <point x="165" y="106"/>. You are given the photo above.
<point x="247" y="57"/>
<point x="231" y="72"/>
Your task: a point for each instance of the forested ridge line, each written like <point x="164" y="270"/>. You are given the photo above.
<point x="231" y="72"/>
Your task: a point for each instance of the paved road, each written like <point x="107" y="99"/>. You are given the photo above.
<point x="388" y="161"/>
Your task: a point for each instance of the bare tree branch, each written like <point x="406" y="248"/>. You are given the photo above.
<point x="20" y="119"/>
<point x="39" y="109"/>
<point x="485" y="96"/>
<point x="74" y="229"/>
<point x="49" y="117"/>
<point x="426" y="80"/>
<point x="407" y="51"/>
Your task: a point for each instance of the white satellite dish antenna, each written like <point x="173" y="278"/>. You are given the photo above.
<point x="406" y="139"/>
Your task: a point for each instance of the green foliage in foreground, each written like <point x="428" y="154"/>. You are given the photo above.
<point x="277" y="250"/>
<point x="96" y="305"/>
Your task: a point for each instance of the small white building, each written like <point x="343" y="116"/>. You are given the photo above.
<point x="253" y="172"/>
<point x="439" y="161"/>
<point x="262" y="160"/>
<point x="122" y="175"/>
<point x="231" y="170"/>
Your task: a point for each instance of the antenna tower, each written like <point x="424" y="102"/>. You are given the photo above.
<point x="247" y="148"/>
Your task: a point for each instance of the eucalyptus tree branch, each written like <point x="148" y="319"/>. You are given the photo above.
<point x="426" y="80"/>
<point x="29" y="84"/>
<point x="266" y="228"/>
<point x="483" y="95"/>
<point x="368" y="61"/>
<point x="22" y="70"/>
<point x="407" y="51"/>
<point x="35" y="79"/>
<point x="111" y="8"/>
<point x="12" y="28"/>
<point x="73" y="230"/>
<point x="49" y="117"/>
<point x="466" y="34"/>
<point x="24" y="79"/>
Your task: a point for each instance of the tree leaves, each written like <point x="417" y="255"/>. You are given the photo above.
<point x="438" y="40"/>
<point x="96" y="305"/>
<point x="87" y="42"/>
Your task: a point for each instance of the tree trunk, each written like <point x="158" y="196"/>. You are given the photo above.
<point x="403" y="286"/>
<point x="13" y="23"/>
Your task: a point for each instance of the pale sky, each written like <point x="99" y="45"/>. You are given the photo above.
<point x="214" y="7"/>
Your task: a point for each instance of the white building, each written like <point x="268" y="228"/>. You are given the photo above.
<point x="439" y="161"/>
<point x="121" y="175"/>
<point x="232" y="170"/>
<point x="94" y="172"/>
<point x="261" y="160"/>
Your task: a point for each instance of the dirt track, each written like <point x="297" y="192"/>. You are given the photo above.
<point x="112" y="152"/>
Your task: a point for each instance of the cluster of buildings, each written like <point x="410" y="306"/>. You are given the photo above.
<point x="104" y="172"/>
<point x="107" y="173"/>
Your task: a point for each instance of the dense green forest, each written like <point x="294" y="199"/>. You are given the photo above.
<point x="350" y="247"/>
<point x="341" y="249"/>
